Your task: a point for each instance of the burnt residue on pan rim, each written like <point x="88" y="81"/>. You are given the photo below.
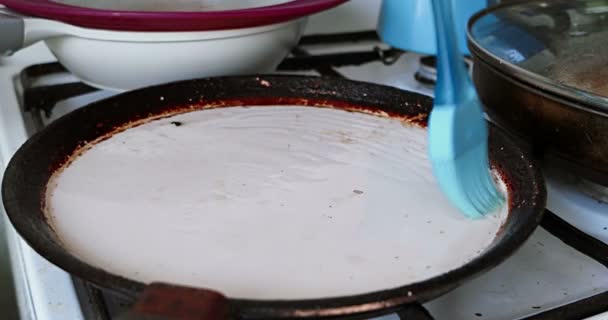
<point x="419" y="120"/>
<point x="31" y="168"/>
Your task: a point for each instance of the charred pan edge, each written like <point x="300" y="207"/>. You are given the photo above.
<point x="419" y="120"/>
<point x="31" y="168"/>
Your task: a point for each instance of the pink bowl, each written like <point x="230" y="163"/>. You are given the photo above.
<point x="169" y="21"/>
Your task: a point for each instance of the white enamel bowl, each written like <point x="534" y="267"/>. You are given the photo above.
<point x="125" y="60"/>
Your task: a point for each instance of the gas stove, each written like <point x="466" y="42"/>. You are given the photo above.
<point x="560" y="273"/>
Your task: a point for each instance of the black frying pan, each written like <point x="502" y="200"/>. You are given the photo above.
<point x="25" y="180"/>
<point x="570" y="129"/>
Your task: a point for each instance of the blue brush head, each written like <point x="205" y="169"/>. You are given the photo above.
<point x="458" y="133"/>
<point x="458" y="147"/>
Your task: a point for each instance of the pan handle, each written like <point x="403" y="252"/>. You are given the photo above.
<point x="161" y="301"/>
<point x="19" y="31"/>
<point x="13" y="33"/>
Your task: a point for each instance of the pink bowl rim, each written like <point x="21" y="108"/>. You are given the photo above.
<point x="170" y="20"/>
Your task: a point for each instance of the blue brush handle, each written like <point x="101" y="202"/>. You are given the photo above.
<point x="452" y="85"/>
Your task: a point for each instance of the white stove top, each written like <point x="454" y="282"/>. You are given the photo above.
<point x="43" y="291"/>
<point x="543" y="274"/>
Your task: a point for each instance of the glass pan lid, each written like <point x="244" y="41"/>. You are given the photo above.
<point x="557" y="45"/>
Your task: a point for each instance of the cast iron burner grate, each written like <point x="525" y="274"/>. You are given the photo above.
<point x="39" y="101"/>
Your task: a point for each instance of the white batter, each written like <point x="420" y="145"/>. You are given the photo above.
<point x="265" y="203"/>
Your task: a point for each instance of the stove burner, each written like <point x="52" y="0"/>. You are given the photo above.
<point x="427" y="71"/>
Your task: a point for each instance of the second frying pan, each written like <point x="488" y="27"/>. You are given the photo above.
<point x="540" y="70"/>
